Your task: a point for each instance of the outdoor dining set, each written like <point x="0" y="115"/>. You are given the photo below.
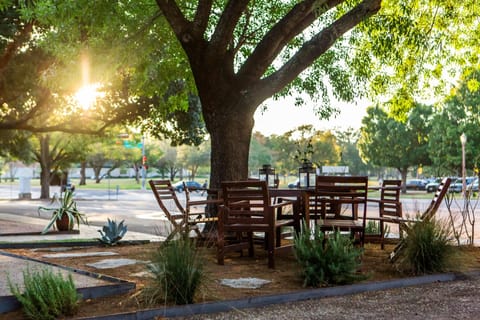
<point x="245" y="209"/>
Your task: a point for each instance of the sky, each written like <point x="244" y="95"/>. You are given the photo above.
<point x="282" y="116"/>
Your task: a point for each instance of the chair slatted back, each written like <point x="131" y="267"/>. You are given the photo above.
<point x="166" y="197"/>
<point x="247" y="202"/>
<point x="354" y="187"/>
<point x="440" y="193"/>
<point x="331" y="192"/>
<point x="390" y="204"/>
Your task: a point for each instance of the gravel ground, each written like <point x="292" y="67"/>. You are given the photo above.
<point x="446" y="300"/>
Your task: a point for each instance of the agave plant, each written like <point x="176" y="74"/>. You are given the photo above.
<point x="112" y="233"/>
<point x="64" y="208"/>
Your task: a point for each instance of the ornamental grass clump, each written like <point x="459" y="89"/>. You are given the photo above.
<point x="429" y="247"/>
<point x="178" y="271"/>
<point x="46" y="295"/>
<point x="331" y="259"/>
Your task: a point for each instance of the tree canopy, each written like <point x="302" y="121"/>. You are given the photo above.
<point x="235" y="54"/>
<point x="387" y="142"/>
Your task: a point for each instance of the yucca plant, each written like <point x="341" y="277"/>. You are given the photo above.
<point x="331" y="259"/>
<point x="46" y="295"/>
<point x="64" y="208"/>
<point x="112" y="232"/>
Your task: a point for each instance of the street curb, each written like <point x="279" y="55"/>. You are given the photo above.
<point x="261" y="301"/>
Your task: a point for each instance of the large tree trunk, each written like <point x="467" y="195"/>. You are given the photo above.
<point x="230" y="131"/>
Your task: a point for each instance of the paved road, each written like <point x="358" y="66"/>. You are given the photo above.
<point x="139" y="208"/>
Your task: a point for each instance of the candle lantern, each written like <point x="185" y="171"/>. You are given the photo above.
<point x="267" y="173"/>
<point x="307" y="175"/>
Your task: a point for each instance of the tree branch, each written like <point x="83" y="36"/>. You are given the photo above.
<point x="200" y="21"/>
<point x="226" y="26"/>
<point x="22" y="37"/>
<point x="292" y="24"/>
<point x="175" y="18"/>
<point x="314" y="48"/>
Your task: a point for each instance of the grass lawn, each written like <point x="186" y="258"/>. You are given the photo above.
<point x="131" y="184"/>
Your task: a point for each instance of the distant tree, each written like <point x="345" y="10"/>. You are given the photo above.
<point x="260" y="153"/>
<point x="387" y="142"/>
<point x="458" y="114"/>
<point x="166" y="162"/>
<point x="326" y="151"/>
<point x="350" y="156"/>
<point x="55" y="153"/>
<point x="108" y="154"/>
<point x="283" y="150"/>
<point x="194" y="157"/>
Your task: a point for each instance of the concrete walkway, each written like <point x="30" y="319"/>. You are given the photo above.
<point x="37" y="224"/>
<point x="12" y="267"/>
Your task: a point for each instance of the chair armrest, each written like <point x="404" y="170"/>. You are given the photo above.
<point x="393" y="219"/>
<point x="200" y="202"/>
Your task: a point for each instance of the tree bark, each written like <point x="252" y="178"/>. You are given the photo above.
<point x="83" y="178"/>
<point x="230" y="130"/>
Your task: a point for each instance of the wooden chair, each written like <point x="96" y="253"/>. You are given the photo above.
<point x="182" y="219"/>
<point x="389" y="207"/>
<point x="247" y="209"/>
<point x="335" y="203"/>
<point x="428" y="214"/>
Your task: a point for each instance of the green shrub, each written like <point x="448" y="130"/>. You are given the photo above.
<point x="331" y="259"/>
<point x="177" y="267"/>
<point x="428" y="246"/>
<point x="46" y="295"/>
<point x="372" y="227"/>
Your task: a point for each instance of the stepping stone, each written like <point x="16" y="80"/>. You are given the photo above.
<point x="244" y="283"/>
<point x="80" y="255"/>
<point x="142" y="274"/>
<point x="54" y="249"/>
<point x="113" y="263"/>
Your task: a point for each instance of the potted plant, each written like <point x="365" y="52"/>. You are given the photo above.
<point x="64" y="214"/>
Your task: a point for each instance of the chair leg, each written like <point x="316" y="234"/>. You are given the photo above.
<point x="278" y="239"/>
<point x="382" y="235"/>
<point x="220" y="244"/>
<point x="397" y="250"/>
<point x="250" y="244"/>
<point x="271" y="249"/>
<point x="176" y="229"/>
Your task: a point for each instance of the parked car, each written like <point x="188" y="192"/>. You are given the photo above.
<point x="433" y="185"/>
<point x="457" y="185"/>
<point x="473" y="186"/>
<point x="190" y="184"/>
<point x="294" y="184"/>
<point x="415" y="184"/>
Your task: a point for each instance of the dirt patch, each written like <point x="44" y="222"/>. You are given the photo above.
<point x="284" y="278"/>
